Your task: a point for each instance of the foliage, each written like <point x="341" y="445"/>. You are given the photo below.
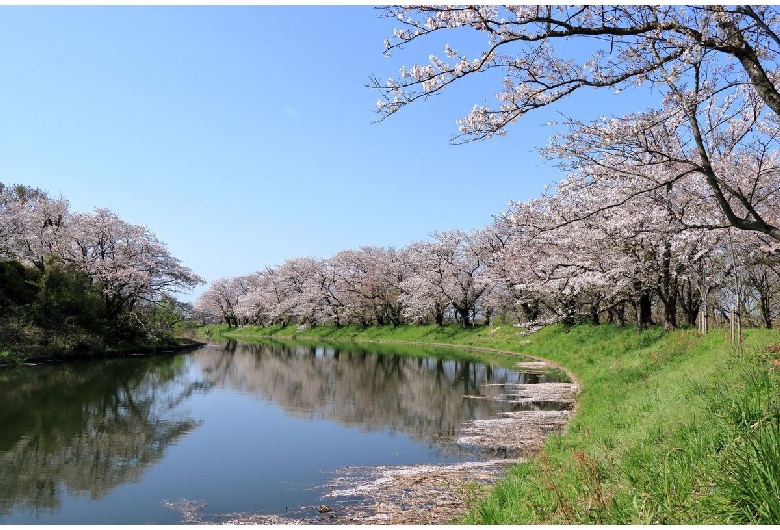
<point x="67" y="296"/>
<point x="537" y="264"/>
<point x="667" y="214"/>
<point x="17" y="284"/>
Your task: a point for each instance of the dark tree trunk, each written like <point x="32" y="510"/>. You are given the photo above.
<point x="670" y="314"/>
<point x="620" y="315"/>
<point x="764" y="302"/>
<point x="569" y="310"/>
<point x="463" y="314"/>
<point x="643" y="311"/>
<point x="438" y="317"/>
<point x="616" y="314"/>
<point x="594" y="312"/>
<point x="667" y="288"/>
<point x="530" y="310"/>
<point x="689" y="300"/>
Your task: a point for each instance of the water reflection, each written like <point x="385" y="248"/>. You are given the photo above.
<point x="82" y="430"/>
<point x="375" y="391"/>
<point x="86" y="427"/>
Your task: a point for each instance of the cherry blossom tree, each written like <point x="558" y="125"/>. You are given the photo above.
<point x="421" y="298"/>
<point x="250" y="307"/>
<point x="264" y="298"/>
<point x="763" y="278"/>
<point x="714" y="65"/>
<point x="90" y="273"/>
<point x="751" y="281"/>
<point x="370" y="279"/>
<point x="330" y="303"/>
<point x="33" y="226"/>
<point x="493" y="243"/>
<point x="563" y="268"/>
<point x="448" y="272"/>
<point x="129" y="263"/>
<point x="631" y="253"/>
<point x="722" y="156"/>
<point x="302" y="294"/>
<point x="223" y="298"/>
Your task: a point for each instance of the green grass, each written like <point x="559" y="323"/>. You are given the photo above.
<point x="672" y="428"/>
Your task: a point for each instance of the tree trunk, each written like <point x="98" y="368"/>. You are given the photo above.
<point x="569" y="310"/>
<point x="530" y="310"/>
<point x="670" y="314"/>
<point x="464" y="317"/>
<point x="764" y="301"/>
<point x="620" y="315"/>
<point x="643" y="312"/>
<point x="438" y="316"/>
<point x="594" y="312"/>
<point x="690" y="301"/>
<point x="667" y="288"/>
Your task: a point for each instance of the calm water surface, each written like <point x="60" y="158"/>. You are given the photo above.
<point x="239" y="427"/>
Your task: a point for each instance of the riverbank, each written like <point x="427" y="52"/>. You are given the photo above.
<point x="36" y="353"/>
<point x="671" y="428"/>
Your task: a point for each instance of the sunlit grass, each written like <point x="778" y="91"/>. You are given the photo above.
<point x="752" y="476"/>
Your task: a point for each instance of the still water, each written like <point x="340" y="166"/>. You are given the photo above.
<point x="236" y="427"/>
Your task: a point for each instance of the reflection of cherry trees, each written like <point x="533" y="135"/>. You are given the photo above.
<point x="89" y="428"/>
<point x="420" y="397"/>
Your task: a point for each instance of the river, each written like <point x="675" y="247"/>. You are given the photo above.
<point x="230" y="428"/>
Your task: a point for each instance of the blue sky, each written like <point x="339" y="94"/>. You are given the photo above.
<point x="243" y="136"/>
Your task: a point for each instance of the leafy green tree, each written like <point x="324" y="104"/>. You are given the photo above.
<point x="17" y="285"/>
<point x="67" y="297"/>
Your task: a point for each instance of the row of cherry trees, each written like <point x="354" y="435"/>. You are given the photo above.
<point x="127" y="264"/>
<point x="666" y="211"/>
<point x="548" y="259"/>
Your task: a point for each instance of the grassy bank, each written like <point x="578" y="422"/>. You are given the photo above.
<point x="671" y="428"/>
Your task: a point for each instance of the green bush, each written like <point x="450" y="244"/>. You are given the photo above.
<point x="18" y="285"/>
<point x="65" y="298"/>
